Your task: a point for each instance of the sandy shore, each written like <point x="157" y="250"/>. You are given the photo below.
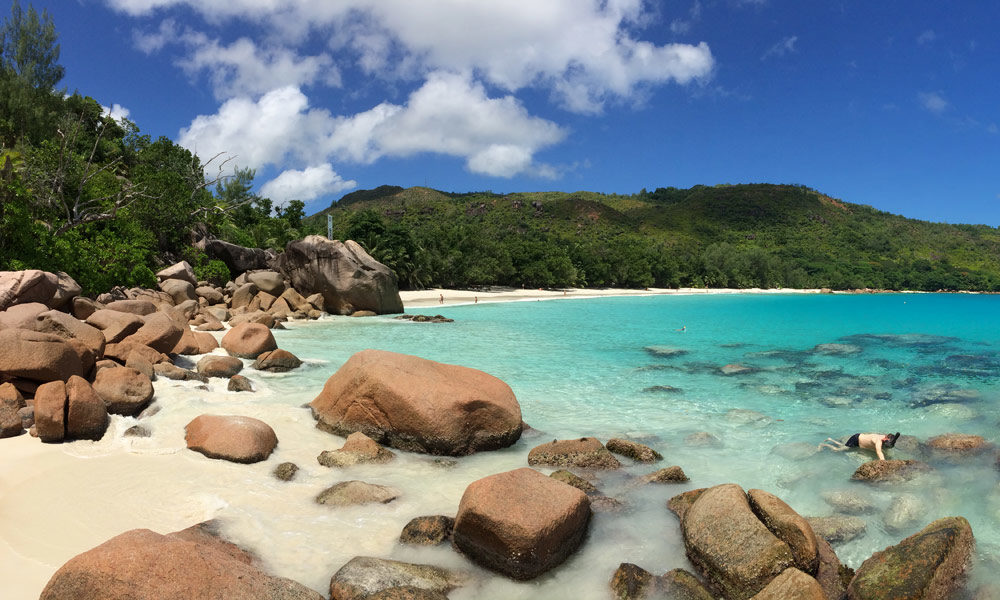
<point x="446" y="297"/>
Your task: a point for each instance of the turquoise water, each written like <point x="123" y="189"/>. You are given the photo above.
<point x="922" y="364"/>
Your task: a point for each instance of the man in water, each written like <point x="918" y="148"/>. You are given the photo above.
<point x="865" y="441"/>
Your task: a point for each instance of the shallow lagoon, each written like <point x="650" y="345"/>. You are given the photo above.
<point x="647" y="368"/>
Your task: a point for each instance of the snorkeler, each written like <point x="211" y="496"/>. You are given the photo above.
<point x="865" y="441"/>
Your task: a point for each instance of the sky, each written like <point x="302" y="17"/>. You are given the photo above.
<point x="893" y="104"/>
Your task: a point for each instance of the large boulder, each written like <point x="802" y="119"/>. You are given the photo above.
<point x="248" y="340"/>
<point x="11" y="402"/>
<point x="115" y="325"/>
<point x="418" y="405"/>
<point x="39" y="356"/>
<point x="86" y="414"/>
<point x="364" y="576"/>
<point x="181" y="271"/>
<point x="143" y="565"/>
<point x="277" y="361"/>
<point x="21" y="316"/>
<point x="520" y="523"/>
<point x="585" y="452"/>
<point x="792" y="584"/>
<point x="789" y="527"/>
<point x="928" y="565"/>
<point x="50" y="411"/>
<point x="32" y="285"/>
<point x="237" y="258"/>
<point x="213" y="365"/>
<point x="270" y="282"/>
<point x="229" y="437"/>
<point x="125" y="391"/>
<point x="141" y="307"/>
<point x="634" y="450"/>
<point x="957" y="446"/>
<point x="178" y="289"/>
<point x="68" y="328"/>
<point x="159" y="332"/>
<point x="348" y="277"/>
<point x="733" y="549"/>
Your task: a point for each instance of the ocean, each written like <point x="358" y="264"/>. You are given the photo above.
<point x="801" y="368"/>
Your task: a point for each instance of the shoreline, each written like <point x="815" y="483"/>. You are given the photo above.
<point x="453" y="297"/>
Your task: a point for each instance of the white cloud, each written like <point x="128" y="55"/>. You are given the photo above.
<point x="682" y="26"/>
<point x="116" y="112"/>
<point x="933" y="102"/>
<point x="583" y="47"/>
<point x="167" y="33"/>
<point x="448" y="115"/>
<point x="785" y="46"/>
<point x="243" y="68"/>
<point x="927" y="36"/>
<point x="306" y="185"/>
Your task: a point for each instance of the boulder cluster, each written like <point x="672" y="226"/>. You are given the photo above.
<point x="67" y="362"/>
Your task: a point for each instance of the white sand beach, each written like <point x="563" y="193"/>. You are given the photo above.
<point x="446" y="297"/>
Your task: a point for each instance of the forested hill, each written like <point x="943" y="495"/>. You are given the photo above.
<point x="739" y="236"/>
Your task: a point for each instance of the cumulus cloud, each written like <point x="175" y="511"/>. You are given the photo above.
<point x="567" y="46"/>
<point x="306" y="185"/>
<point x="447" y="115"/>
<point x="244" y="68"/>
<point x="933" y="102"/>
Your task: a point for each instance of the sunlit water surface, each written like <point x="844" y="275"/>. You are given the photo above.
<point x="922" y="364"/>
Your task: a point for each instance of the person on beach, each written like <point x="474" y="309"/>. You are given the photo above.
<point x="864" y="441"/>
<point x="441" y="299"/>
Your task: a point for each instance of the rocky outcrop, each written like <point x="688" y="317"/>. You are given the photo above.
<point x="181" y="271"/>
<point x="11" y="402"/>
<point x="418" y="405"/>
<point x="928" y="565"/>
<point x="159" y="332"/>
<point x="352" y="493"/>
<point x="229" y="437"/>
<point x="733" y="549"/>
<point x="237" y="258"/>
<point x="50" y="411"/>
<point x="586" y="452"/>
<point x="428" y="531"/>
<point x="520" y="523"/>
<point x="68" y="328"/>
<point x="346" y="276"/>
<point x="189" y="564"/>
<point x="86" y="414"/>
<point x="792" y="584"/>
<point x="248" y="340"/>
<point x="672" y="474"/>
<point x="115" y="325"/>
<point x="364" y="577"/>
<point x="359" y="449"/>
<point x="634" y="450"/>
<point x="680" y="503"/>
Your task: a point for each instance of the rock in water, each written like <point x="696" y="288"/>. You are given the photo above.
<point x="188" y="564"/>
<point x="359" y="449"/>
<point x="634" y="450"/>
<point x="928" y="565"/>
<point x="586" y="452"/>
<point x="632" y="582"/>
<point x="248" y="340"/>
<point x="789" y="527"/>
<point x="418" y="405"/>
<point x="890" y="471"/>
<point x="730" y="546"/>
<point x="428" y="531"/>
<point x="348" y="277"/>
<point x="792" y="584"/>
<point x="233" y="438"/>
<point x="520" y="523"/>
<point x="364" y="577"/>
<point x="349" y="493"/>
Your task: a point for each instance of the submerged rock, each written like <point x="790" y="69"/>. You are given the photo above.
<point x="634" y="450"/>
<point x="365" y="577"/>
<point x="850" y="502"/>
<point x="678" y="584"/>
<point x="231" y="437"/>
<point x="665" y="351"/>
<point x="632" y="582"/>
<point x="838" y="528"/>
<point x="672" y="474"/>
<point x="350" y="493"/>
<point x="891" y="471"/>
<point x="904" y="512"/>
<point x="359" y="449"/>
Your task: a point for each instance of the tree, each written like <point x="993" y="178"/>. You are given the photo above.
<point x="28" y="48"/>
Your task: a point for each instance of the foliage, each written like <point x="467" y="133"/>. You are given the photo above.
<point x="737" y="236"/>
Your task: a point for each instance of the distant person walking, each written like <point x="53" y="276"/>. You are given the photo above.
<point x="441" y="299"/>
<point x="864" y="441"/>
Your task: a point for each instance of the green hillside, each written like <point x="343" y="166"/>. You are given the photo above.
<point x="757" y="235"/>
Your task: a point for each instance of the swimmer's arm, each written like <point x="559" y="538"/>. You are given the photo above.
<point x="878" y="449"/>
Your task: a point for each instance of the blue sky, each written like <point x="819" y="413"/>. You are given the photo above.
<point x="892" y="104"/>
